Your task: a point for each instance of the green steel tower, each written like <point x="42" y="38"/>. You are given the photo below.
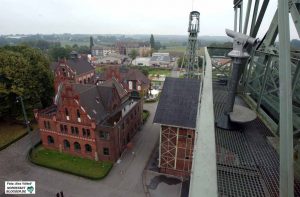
<point x="191" y="53"/>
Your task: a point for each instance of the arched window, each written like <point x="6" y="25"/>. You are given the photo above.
<point x="50" y="139"/>
<point x="88" y="148"/>
<point x="77" y="146"/>
<point x="66" y="144"/>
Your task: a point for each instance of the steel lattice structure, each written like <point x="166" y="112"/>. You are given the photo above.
<point x="270" y="85"/>
<point x="191" y="53"/>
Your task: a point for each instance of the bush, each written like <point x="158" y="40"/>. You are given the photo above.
<point x="146" y="115"/>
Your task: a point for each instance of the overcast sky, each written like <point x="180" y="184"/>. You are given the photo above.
<point x="118" y="16"/>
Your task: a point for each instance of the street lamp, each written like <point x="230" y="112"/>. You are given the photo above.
<point x="19" y="98"/>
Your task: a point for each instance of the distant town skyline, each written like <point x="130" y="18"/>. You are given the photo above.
<point x="159" y="17"/>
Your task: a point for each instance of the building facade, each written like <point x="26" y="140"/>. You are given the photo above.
<point x="77" y="69"/>
<point x="160" y="60"/>
<point x="102" y="51"/>
<point x="176" y="150"/>
<point x="124" y="48"/>
<point x="141" y="61"/>
<point x="133" y="80"/>
<point x="113" y="58"/>
<point x="91" y="121"/>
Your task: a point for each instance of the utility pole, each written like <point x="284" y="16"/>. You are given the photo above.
<point x="19" y="98"/>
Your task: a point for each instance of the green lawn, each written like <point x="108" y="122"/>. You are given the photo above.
<point x="99" y="70"/>
<point x="146" y="114"/>
<point x="71" y="164"/>
<point x="159" y="71"/>
<point x="9" y="132"/>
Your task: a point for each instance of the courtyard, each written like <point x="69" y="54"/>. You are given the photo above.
<point x="125" y="178"/>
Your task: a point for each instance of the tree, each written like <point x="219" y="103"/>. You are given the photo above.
<point x="91" y="43"/>
<point x="145" y="71"/>
<point x="60" y="52"/>
<point x="75" y="47"/>
<point x="24" y="72"/>
<point x="152" y="42"/>
<point x="133" y="54"/>
<point x="157" y="46"/>
<point x="181" y="62"/>
<point x="83" y="49"/>
<point x="42" y="44"/>
<point x="220" y="49"/>
<point x="200" y="62"/>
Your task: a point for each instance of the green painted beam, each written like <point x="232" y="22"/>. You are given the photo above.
<point x="286" y="124"/>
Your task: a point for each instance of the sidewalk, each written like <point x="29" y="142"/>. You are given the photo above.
<point x="157" y="184"/>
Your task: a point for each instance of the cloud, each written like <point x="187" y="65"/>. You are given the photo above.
<point x="116" y="16"/>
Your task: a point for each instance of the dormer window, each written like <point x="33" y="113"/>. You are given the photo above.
<point x="64" y="72"/>
<point x="97" y="99"/>
<point x="78" y="115"/>
<point x="94" y="111"/>
<point x="67" y="114"/>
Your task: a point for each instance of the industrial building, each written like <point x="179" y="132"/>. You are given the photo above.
<point x="176" y="113"/>
<point x="141" y="61"/>
<point x="160" y="60"/>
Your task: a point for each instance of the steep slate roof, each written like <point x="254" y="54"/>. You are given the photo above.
<point x="95" y="99"/>
<point x="96" y="110"/>
<point x="178" y="103"/>
<point x="126" y="74"/>
<point x="113" y="83"/>
<point x="134" y="74"/>
<point x="79" y="65"/>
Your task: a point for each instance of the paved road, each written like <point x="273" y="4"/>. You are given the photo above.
<point x="15" y="166"/>
<point x="175" y="73"/>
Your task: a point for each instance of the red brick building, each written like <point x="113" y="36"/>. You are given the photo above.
<point x="132" y="80"/>
<point x="77" y="69"/>
<point x="176" y="113"/>
<point x="87" y="120"/>
<point x="124" y="48"/>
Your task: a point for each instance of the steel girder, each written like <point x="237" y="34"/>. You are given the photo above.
<point x="261" y="76"/>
